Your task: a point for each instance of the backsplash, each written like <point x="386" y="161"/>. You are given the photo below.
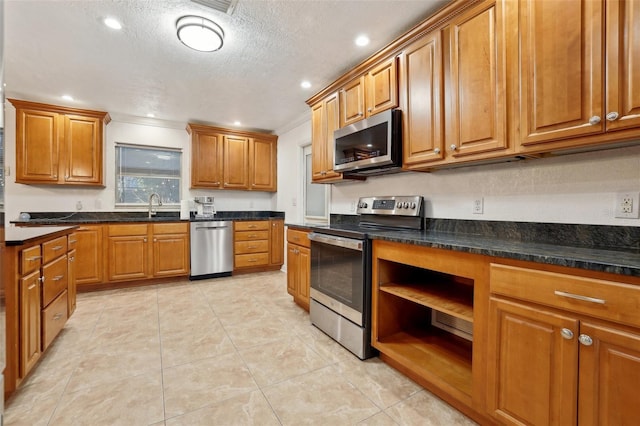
<point x="623" y="238"/>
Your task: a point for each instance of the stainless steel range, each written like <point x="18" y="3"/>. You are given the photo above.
<point x="341" y="268"/>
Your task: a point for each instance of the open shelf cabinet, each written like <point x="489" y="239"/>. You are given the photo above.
<point x="407" y="295"/>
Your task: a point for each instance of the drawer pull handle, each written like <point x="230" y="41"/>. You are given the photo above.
<point x="73" y="241"/>
<point x="57" y="316"/>
<point x="253" y="260"/>
<point x="31" y="259"/>
<point x="31" y="286"/>
<point x="56" y="248"/>
<point x="579" y="297"/>
<point x="252" y="227"/>
<point x="251" y="247"/>
<point x="58" y="277"/>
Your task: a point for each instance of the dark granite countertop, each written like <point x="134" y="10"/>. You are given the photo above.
<point x="78" y="218"/>
<point x="17" y="236"/>
<point x="623" y="262"/>
<point x="612" y="249"/>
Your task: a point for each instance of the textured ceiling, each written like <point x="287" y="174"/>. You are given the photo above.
<point x="56" y="47"/>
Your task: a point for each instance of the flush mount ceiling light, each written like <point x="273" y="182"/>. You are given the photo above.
<point x="362" y="40"/>
<point x="200" y="33"/>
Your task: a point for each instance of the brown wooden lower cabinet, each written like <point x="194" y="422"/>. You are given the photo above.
<point x="89" y="254"/>
<point x="30" y="307"/>
<point x="298" y="267"/>
<point x="551" y="345"/>
<point x="127" y="252"/>
<point x="170" y="249"/>
<point x="258" y="245"/>
<point x="554" y="362"/>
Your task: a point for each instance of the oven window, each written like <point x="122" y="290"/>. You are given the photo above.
<point x="338" y="272"/>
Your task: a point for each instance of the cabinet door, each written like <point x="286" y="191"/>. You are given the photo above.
<point x="561" y="63"/>
<point x="71" y="282"/>
<point x="304" y="278"/>
<point x="206" y="160"/>
<point x="170" y="255"/>
<point x="37" y="145"/>
<point x="29" y="321"/>
<point x="82" y="150"/>
<point x="236" y="162"/>
<point x="352" y="101"/>
<point x="421" y="84"/>
<point x="534" y="376"/>
<point x="276" y="241"/>
<point x="293" y="269"/>
<point x="128" y="257"/>
<point x="88" y="258"/>
<point x="475" y="81"/>
<point x="382" y="87"/>
<point x="262" y="165"/>
<point x="325" y="119"/>
<point x="609" y="376"/>
<point x="623" y="65"/>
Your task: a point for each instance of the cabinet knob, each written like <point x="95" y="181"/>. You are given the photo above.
<point x="144" y="240"/>
<point x="453" y="147"/>
<point x="437" y="150"/>
<point x="594" y="120"/>
<point x="155" y="240"/>
<point x="41" y="279"/>
<point x="370" y="109"/>
<point x="612" y="116"/>
<point x="566" y="333"/>
<point x="585" y="340"/>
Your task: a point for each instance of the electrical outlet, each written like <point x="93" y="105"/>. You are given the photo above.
<point x="78" y="205"/>
<point x="478" y="205"/>
<point x="627" y="204"/>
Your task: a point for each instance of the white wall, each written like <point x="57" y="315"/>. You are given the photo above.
<point x="576" y="188"/>
<point x="52" y="198"/>
<point x="290" y="172"/>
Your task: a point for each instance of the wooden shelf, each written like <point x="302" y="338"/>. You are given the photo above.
<point x="432" y="353"/>
<point x="451" y="298"/>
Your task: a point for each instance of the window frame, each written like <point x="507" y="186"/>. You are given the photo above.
<point x="165" y="205"/>
<point x="306" y="150"/>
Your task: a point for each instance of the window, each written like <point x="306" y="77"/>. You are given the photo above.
<point x="141" y="171"/>
<point x="316" y="196"/>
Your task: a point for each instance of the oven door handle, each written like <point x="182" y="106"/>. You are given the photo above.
<point x="336" y="241"/>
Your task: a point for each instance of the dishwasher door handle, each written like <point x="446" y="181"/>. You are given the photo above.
<point x="210" y="227"/>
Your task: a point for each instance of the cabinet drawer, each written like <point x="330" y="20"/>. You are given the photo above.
<point x="55" y="279"/>
<point x="298" y="237"/>
<point x="30" y="259"/>
<point x="251" y="260"/>
<point x="126" y="230"/>
<point x="597" y="298"/>
<point x="72" y="241"/>
<point x="54" y="318"/>
<point x="251" y="235"/>
<point x="54" y="248"/>
<point x="243" y="247"/>
<point x="170" y="228"/>
<point x="254" y="225"/>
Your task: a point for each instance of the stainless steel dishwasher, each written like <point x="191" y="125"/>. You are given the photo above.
<point x="211" y="249"/>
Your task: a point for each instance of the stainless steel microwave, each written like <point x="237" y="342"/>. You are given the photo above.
<point x="370" y="146"/>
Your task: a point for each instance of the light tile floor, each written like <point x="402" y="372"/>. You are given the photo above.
<point x="229" y="351"/>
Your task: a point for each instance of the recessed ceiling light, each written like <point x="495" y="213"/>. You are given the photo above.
<point x="305" y="84"/>
<point x="236" y="123"/>
<point x="112" y="23"/>
<point x="362" y="40"/>
<point x="67" y="97"/>
<point x="200" y="33"/>
<point x="150" y="115"/>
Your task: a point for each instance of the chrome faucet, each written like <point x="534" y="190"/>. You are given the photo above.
<point x="151" y="211"/>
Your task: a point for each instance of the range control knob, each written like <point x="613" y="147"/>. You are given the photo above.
<point x="413" y="205"/>
<point x="399" y="205"/>
<point x="406" y="205"/>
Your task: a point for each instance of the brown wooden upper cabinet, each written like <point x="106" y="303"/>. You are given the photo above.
<point x="229" y="159"/>
<point x="324" y="121"/>
<point x="579" y="72"/>
<point x="369" y="94"/>
<point x="58" y="145"/>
